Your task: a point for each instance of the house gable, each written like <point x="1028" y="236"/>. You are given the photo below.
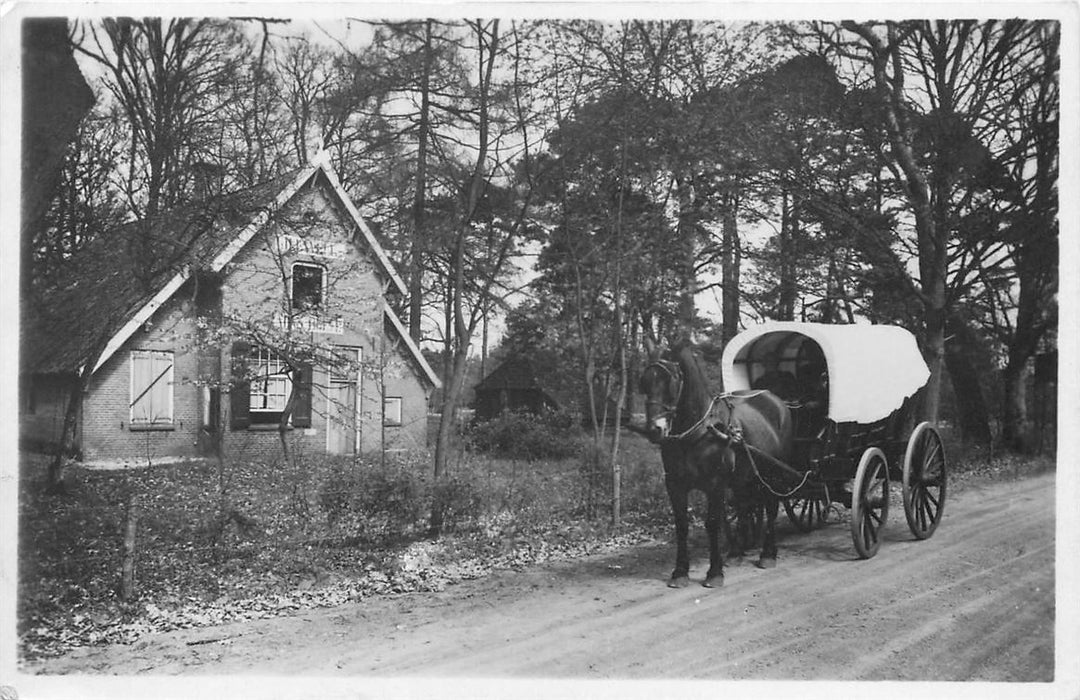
<point x="317" y="175"/>
<point x="155" y="323"/>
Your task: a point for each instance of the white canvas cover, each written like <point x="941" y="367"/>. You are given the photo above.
<point x="872" y="369"/>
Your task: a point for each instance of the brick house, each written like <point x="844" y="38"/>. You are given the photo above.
<point x="212" y="323"/>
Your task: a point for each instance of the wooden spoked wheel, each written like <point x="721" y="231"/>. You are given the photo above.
<point x="870" y="502"/>
<point x="807" y="513"/>
<point x="924" y="480"/>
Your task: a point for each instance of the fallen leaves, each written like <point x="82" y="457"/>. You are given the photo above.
<point x="420" y="567"/>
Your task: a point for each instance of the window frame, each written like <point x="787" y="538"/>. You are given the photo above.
<point x="296" y="307"/>
<point x="387" y="420"/>
<point x="135" y="396"/>
<point x="261" y="361"/>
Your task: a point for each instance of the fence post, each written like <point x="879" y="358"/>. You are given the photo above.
<point x="131" y="522"/>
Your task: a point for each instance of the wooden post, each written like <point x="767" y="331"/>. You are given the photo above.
<point x="131" y="522"/>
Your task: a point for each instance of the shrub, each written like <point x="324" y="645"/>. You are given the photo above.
<point x="458" y="500"/>
<point x="528" y="436"/>
<point x="372" y="498"/>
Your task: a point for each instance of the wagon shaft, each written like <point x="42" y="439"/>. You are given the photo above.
<point x="777" y="467"/>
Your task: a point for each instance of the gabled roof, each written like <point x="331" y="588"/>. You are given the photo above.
<point x="513" y="373"/>
<point x="413" y="348"/>
<point x="102" y="302"/>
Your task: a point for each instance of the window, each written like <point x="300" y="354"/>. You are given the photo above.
<point x="270" y="386"/>
<point x="307" y="287"/>
<point x="344" y="365"/>
<point x="392" y="410"/>
<point x="151" y="388"/>
<point x="211" y="408"/>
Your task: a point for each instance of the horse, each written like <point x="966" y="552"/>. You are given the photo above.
<point x="703" y="444"/>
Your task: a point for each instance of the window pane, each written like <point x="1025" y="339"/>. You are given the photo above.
<point x="270" y="384"/>
<point x="392" y="410"/>
<point x="307" y="287"/>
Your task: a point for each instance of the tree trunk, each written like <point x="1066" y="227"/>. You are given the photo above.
<point x="789" y="225"/>
<point x="443" y="443"/>
<point x="616" y="469"/>
<point x="689" y="231"/>
<point x="933" y="253"/>
<point x="131" y="527"/>
<point x="56" y="97"/>
<point x="967" y="388"/>
<point x="461" y="328"/>
<point x="731" y="255"/>
<point x="419" y="247"/>
<point x="1015" y="428"/>
<point x="54" y="482"/>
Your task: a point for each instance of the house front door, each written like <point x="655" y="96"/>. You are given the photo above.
<point x="343" y="410"/>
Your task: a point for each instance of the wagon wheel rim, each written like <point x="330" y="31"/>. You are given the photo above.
<point x="925" y="480"/>
<point x="807" y="513"/>
<point x="870" y="502"/>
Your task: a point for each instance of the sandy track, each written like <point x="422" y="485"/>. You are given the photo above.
<point x="975" y="602"/>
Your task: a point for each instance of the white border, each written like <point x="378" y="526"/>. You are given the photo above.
<point x="1067" y="682"/>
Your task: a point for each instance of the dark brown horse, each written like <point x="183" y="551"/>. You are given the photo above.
<point x="694" y="429"/>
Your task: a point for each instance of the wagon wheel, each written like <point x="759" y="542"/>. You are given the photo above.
<point x="870" y="502"/>
<point x="924" y="480"/>
<point x="807" y="513"/>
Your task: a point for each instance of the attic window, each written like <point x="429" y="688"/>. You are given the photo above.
<point x="307" y="287"/>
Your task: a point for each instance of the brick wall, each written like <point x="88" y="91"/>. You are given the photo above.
<point x="107" y="430"/>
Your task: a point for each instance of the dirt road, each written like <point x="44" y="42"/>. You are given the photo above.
<point x="975" y="602"/>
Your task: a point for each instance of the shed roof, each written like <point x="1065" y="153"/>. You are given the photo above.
<point x="513" y="373"/>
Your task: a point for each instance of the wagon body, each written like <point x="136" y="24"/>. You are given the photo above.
<point x="852" y="390"/>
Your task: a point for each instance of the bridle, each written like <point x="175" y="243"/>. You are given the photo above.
<point x="729" y="434"/>
<point x="672" y="370"/>
<point x="670" y="410"/>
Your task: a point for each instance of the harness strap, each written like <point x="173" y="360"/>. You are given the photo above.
<point x="747" y="395"/>
<point x="701" y="421"/>
<point x="735" y="438"/>
<point x="750" y="456"/>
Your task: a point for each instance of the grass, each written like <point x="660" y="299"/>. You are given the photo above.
<point x="211" y="536"/>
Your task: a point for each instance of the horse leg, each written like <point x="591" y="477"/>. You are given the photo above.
<point x="680" y="577"/>
<point x="767" y="559"/>
<point x="713" y="522"/>
<point x="731" y="529"/>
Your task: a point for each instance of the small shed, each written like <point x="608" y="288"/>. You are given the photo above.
<point x="512" y="386"/>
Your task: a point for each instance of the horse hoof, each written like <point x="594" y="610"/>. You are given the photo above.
<point x="714" y="581"/>
<point x="766" y="563"/>
<point x="679" y="582"/>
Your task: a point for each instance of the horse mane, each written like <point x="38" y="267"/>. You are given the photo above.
<point x="696" y="394"/>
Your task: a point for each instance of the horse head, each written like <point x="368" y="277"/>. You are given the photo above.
<point x="673" y="387"/>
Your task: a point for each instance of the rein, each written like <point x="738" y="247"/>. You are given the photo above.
<point x="731" y="433"/>
<point x="670" y="410"/>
